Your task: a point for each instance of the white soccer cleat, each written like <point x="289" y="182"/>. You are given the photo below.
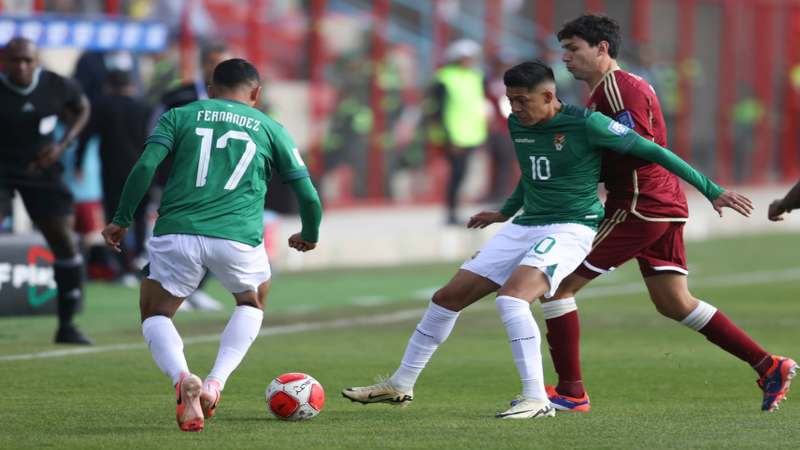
<point x="383" y="392"/>
<point x="528" y="409"/>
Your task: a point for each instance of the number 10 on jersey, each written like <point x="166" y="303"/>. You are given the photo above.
<point x="540" y="168"/>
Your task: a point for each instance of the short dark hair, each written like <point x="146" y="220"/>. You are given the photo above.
<point x="594" y="29"/>
<point x="235" y="72"/>
<point x="528" y="75"/>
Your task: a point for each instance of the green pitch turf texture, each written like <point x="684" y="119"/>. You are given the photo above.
<point x="653" y="383"/>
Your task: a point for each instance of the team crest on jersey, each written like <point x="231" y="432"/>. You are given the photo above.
<point x="618" y="128"/>
<point x="558" y="141"/>
<point x="27" y="107"/>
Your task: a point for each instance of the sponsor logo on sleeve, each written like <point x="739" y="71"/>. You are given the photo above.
<point x="618" y="128"/>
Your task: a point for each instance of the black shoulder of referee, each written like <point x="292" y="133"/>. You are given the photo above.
<point x="181" y="95"/>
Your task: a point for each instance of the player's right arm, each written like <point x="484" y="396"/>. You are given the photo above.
<point x="606" y="133"/>
<point x="509" y="208"/>
<point x="784" y="205"/>
<point x="157" y="147"/>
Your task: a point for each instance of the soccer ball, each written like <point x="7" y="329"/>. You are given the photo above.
<point x="295" y="396"/>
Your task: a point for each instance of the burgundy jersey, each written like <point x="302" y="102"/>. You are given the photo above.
<point x="647" y="190"/>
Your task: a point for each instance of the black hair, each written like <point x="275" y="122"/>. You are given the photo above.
<point x="233" y="73"/>
<point x="594" y="29"/>
<point x="528" y="75"/>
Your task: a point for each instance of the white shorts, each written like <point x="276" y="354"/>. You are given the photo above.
<point x="556" y="250"/>
<point x="179" y="263"/>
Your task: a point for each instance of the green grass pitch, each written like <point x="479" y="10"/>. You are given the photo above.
<point x="653" y="383"/>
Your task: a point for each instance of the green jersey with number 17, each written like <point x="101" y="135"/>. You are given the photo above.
<point x="560" y="164"/>
<point x="224" y="152"/>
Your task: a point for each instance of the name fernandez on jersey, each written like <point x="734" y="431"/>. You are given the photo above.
<point x="205" y="115"/>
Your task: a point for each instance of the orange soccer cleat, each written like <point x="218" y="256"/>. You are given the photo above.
<point x="188" y="411"/>
<point x="565" y="402"/>
<point x="209" y="398"/>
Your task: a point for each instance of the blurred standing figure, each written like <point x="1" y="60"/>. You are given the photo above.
<point x="499" y="145"/>
<point x="459" y="114"/>
<point x="32" y="100"/>
<point x="120" y="120"/>
<point x="197" y="89"/>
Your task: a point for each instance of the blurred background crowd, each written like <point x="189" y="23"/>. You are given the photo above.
<point x="360" y="84"/>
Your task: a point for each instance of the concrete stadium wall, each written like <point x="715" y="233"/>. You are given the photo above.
<point x="398" y="235"/>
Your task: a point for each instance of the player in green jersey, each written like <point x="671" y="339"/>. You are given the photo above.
<point x="559" y="151"/>
<point x="210" y="218"/>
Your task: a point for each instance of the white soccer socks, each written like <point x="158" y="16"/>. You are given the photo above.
<point x="165" y="345"/>
<point x="525" y="339"/>
<point x="557" y="308"/>
<point x="432" y="330"/>
<point x="241" y="331"/>
<point x="699" y="318"/>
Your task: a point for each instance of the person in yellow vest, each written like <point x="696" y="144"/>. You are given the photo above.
<point x="458" y="114"/>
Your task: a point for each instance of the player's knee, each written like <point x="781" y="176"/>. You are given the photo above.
<point x="448" y="298"/>
<point x="675" y="307"/>
<point x="148" y="310"/>
<point x="254" y="303"/>
<point x="511" y="291"/>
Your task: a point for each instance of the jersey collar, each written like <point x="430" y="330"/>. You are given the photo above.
<point x="605" y="77"/>
<point x="19" y="90"/>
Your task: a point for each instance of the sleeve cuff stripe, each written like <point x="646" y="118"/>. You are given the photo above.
<point x="294" y="175"/>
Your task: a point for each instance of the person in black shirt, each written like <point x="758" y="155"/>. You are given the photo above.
<point x="32" y="100"/>
<point x="120" y="120"/>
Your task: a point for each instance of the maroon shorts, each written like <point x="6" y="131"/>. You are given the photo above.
<point x="658" y="246"/>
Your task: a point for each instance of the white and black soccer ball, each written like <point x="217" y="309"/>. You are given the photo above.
<point x="295" y="396"/>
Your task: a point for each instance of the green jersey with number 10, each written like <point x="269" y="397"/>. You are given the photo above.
<point x="224" y="152"/>
<point x="560" y="166"/>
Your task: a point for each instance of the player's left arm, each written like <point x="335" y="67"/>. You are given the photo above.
<point x="607" y="133"/>
<point x="785" y="205"/>
<point x="294" y="172"/>
<point x="75" y="115"/>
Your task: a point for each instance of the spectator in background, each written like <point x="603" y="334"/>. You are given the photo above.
<point x="85" y="182"/>
<point x="499" y="145"/>
<point x="32" y="100"/>
<point x="120" y="120"/>
<point x="210" y="56"/>
<point x="458" y="114"/>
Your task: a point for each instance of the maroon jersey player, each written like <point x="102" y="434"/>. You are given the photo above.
<point x="645" y="215"/>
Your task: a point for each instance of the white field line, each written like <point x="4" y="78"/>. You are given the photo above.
<point x="728" y="280"/>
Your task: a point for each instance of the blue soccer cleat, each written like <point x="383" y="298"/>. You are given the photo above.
<point x="567" y="403"/>
<point x="775" y="382"/>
